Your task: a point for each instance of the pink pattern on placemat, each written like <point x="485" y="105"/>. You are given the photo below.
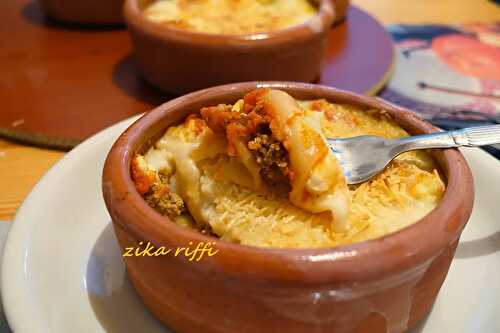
<point x="435" y="71"/>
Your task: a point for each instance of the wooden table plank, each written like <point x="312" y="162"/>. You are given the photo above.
<point x="55" y="74"/>
<point x="21" y="167"/>
<point x="431" y="11"/>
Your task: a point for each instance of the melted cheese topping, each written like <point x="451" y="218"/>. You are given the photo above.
<point x="219" y="190"/>
<point x="230" y="16"/>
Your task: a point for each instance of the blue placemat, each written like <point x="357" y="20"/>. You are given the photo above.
<point x="448" y="74"/>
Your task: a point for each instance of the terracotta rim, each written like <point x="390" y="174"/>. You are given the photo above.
<point x="383" y="257"/>
<point x="321" y="22"/>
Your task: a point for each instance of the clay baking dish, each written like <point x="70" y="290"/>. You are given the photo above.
<point x="179" y="61"/>
<point x="108" y="12"/>
<point x="382" y="285"/>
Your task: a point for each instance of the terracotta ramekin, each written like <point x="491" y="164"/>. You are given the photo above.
<point x="180" y="61"/>
<point x="94" y="12"/>
<point x="382" y="285"/>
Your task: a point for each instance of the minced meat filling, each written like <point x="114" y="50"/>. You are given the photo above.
<point x="157" y="193"/>
<point x="164" y="201"/>
<point x="246" y="121"/>
<point x="271" y="156"/>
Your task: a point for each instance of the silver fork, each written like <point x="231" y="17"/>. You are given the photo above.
<point x="363" y="157"/>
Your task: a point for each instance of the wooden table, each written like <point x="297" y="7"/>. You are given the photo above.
<point x="21" y="167"/>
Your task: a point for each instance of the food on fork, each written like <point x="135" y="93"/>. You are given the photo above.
<point x="259" y="172"/>
<point x="306" y="165"/>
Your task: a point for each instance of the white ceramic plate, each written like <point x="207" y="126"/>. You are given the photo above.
<point x="62" y="270"/>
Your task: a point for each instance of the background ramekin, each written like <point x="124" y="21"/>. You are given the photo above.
<point x="179" y="61"/>
<point x="380" y="285"/>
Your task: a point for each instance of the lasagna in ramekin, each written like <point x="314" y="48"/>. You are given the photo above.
<point x="259" y="172"/>
<point x="230" y="17"/>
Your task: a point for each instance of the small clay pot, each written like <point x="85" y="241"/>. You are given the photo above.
<point x="94" y="12"/>
<point x="381" y="285"/>
<point x="180" y="61"/>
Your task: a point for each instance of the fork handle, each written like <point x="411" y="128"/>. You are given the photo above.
<point x="478" y="136"/>
<point x="468" y="137"/>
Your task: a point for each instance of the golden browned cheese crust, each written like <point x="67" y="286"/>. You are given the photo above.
<point x="230" y="17"/>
